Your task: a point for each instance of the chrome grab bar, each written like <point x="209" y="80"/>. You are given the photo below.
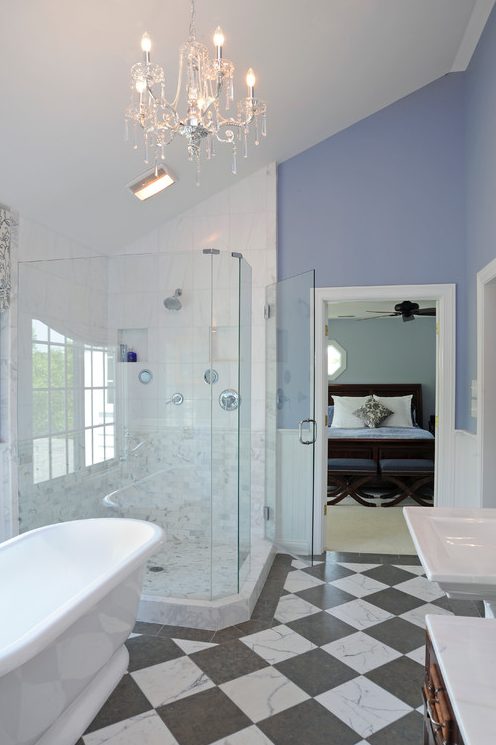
<point x="314" y="431"/>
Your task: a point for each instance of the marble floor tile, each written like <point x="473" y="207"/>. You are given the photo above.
<point x="413" y="568"/>
<point x="170" y="681"/>
<point x="359" y="585"/>
<point x="321" y="628"/>
<point x="189" y="647"/>
<point x="420" y="587"/>
<point x="361" y="652"/>
<point x="402" y="678"/>
<point x="277" y="644"/>
<point x="354" y="567"/>
<point x="417" y="655"/>
<point x="126" y="701"/>
<point x="146" y="729"/>
<point x="291" y="607"/>
<point x="228" y="661"/>
<point x="316" y="671"/>
<point x="263" y="693"/>
<point x="298" y="580"/>
<point x="389" y="574"/>
<point x="363" y="705"/>
<point x="408" y="731"/>
<point x="249" y="736"/>
<point x="308" y="723"/>
<point x="360" y="614"/>
<point x="417" y="615"/>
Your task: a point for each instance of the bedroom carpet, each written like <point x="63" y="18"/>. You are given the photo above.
<point x="368" y="530"/>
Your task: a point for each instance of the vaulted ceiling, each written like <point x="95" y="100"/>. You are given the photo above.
<point x="321" y="65"/>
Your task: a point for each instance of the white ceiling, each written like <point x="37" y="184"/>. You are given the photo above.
<point x="321" y="65"/>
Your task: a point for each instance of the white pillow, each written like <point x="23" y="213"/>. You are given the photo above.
<point x="344" y="406"/>
<point x="401" y="406"/>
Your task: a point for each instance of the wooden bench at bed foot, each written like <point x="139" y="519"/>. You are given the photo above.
<point x="407" y="478"/>
<point x="347" y="477"/>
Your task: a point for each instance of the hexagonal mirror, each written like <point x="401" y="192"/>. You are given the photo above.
<point x="336" y="359"/>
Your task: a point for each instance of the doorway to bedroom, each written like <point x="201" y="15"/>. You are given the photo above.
<point x="381" y="365"/>
<point x="441" y="297"/>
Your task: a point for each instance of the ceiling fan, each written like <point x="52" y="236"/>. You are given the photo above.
<point x="406" y="309"/>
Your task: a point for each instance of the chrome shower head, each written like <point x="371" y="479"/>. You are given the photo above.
<point x="173" y="303"/>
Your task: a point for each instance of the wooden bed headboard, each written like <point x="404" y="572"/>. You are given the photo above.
<point x="381" y="389"/>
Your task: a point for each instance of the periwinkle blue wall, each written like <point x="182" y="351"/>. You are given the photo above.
<point x="383" y="202"/>
<point x="481" y="176"/>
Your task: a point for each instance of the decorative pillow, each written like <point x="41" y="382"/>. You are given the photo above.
<point x="330" y="415"/>
<point x="344" y="406"/>
<point x="401" y="410"/>
<point x="372" y="413"/>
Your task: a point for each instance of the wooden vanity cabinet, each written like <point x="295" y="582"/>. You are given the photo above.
<point x="440" y="726"/>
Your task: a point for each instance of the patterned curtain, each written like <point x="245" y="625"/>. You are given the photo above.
<point x="5" y="284"/>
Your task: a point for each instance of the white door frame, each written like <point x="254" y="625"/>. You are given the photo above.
<point x="486" y="394"/>
<point x="444" y="296"/>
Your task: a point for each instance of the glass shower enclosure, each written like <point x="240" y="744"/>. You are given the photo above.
<point x="134" y="392"/>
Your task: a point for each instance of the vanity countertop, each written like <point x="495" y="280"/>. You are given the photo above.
<point x="466" y="652"/>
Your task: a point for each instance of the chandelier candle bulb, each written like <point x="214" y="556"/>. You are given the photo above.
<point x="146" y="45"/>
<point x="250" y="82"/>
<point x="219" y="42"/>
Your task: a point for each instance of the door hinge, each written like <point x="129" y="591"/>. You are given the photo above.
<point x="326" y="420"/>
<point x="326" y="330"/>
<point x="266" y="311"/>
<point x="325" y="509"/>
<point x="266" y="512"/>
<point x="437" y="328"/>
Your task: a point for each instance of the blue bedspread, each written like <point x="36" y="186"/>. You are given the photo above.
<point x="380" y="433"/>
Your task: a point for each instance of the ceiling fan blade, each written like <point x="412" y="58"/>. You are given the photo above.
<point x="371" y="318"/>
<point x="383" y="312"/>
<point x="425" y="312"/>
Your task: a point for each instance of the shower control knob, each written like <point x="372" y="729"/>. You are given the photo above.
<point x="229" y="399"/>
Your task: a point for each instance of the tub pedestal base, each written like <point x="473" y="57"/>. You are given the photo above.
<point x="74" y="721"/>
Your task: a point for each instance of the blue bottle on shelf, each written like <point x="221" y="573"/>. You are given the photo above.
<point x="132" y="356"/>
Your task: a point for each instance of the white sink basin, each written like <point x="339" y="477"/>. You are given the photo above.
<point x="457" y="548"/>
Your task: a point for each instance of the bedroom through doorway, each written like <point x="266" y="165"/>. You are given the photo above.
<point x="381" y="420"/>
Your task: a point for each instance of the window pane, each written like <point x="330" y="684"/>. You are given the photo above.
<point x="40" y="331"/>
<point x="40" y="413"/>
<point x="87" y="368"/>
<point x="110" y="369"/>
<point x="57" y="367"/>
<point x="40" y="366"/>
<point x="98" y="408"/>
<point x="56" y="337"/>
<point x="70" y="453"/>
<point x="88" y="447"/>
<point x="71" y="424"/>
<point x="109" y="405"/>
<point x="87" y="409"/>
<point x="59" y="467"/>
<point x="98" y="444"/>
<point x="98" y="360"/>
<point x="41" y="460"/>
<point x="69" y="361"/>
<point x="57" y="412"/>
<point x="109" y="442"/>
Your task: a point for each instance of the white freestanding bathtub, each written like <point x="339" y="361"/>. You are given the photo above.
<point x="68" y="600"/>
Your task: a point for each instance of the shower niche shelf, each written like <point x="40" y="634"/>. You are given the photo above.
<point x="136" y="339"/>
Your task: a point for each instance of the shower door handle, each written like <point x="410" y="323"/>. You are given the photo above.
<point x="314" y="431"/>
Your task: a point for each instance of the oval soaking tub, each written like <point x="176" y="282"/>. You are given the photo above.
<point x="68" y="600"/>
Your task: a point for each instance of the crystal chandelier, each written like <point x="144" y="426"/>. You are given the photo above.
<point x="209" y="90"/>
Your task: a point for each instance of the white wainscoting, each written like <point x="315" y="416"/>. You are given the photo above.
<point x="466" y="468"/>
<point x="294" y="496"/>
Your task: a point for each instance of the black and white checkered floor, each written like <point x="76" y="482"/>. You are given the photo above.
<point x="333" y="655"/>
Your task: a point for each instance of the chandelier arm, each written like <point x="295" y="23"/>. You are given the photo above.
<point x="179" y="81"/>
<point x="231" y="122"/>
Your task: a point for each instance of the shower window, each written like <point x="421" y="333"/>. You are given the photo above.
<point x="73" y="404"/>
